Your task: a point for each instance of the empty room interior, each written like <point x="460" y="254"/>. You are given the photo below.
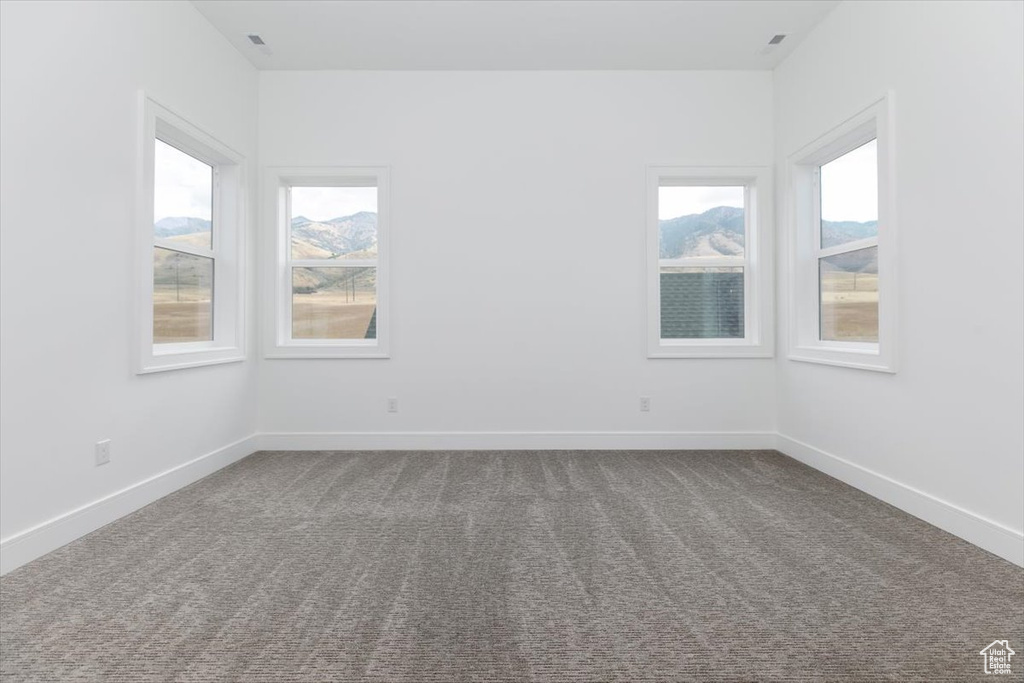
<point x="511" y="340"/>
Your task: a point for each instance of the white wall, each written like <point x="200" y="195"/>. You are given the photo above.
<point x="949" y="423"/>
<point x="518" y="251"/>
<point x="70" y="76"/>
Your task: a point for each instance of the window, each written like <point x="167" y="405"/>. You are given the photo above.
<point x="709" y="278"/>
<point x="330" y="241"/>
<point x="190" y="258"/>
<point x="842" y="236"/>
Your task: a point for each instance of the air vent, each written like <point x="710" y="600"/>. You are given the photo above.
<point x="778" y="38"/>
<point x="256" y="40"/>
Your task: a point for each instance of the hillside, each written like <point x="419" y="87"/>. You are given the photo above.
<point x="840" y="232"/>
<point x="716" y="232"/>
<point x="352" y="236"/>
<point x="720" y="232"/>
<point x="179" y="225"/>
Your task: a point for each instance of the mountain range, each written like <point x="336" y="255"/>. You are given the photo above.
<point x="175" y="226"/>
<point x="716" y="232"/>
<point x="352" y="236"/>
<point x="720" y="232"/>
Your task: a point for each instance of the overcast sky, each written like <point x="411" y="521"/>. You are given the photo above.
<point x="849" y="186"/>
<point x="184" y="185"/>
<point x="849" y="191"/>
<point x="325" y="203"/>
<point x="683" y="201"/>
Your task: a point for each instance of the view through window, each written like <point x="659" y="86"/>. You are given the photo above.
<point x="702" y="261"/>
<point x="848" y="257"/>
<point x="183" y="258"/>
<point x="333" y="262"/>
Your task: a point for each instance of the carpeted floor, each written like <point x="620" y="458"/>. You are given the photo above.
<point x="512" y="566"/>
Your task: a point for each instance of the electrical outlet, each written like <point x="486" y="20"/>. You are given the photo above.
<point x="102" y="452"/>
<point x="392" y="405"/>
<point x="645" y="404"/>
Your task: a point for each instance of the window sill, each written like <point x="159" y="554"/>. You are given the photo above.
<point x="710" y="351"/>
<point x="190" y="359"/>
<point x="325" y="351"/>
<point x="857" y="360"/>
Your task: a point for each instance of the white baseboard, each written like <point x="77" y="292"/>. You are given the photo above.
<point x="501" y="441"/>
<point x="27" y="545"/>
<point x="973" y="528"/>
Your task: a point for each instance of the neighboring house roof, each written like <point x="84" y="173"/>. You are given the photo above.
<point x="371" y="329"/>
<point x="701" y="305"/>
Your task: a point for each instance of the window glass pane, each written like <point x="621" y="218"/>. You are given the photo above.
<point x="182" y="198"/>
<point x="849" y="196"/>
<point x="334" y="222"/>
<point x="849" y="296"/>
<point x="182" y="297"/>
<point x="701" y="303"/>
<point x="700" y="222"/>
<point x="334" y="303"/>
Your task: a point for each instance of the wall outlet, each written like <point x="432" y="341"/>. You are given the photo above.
<point x="102" y="452"/>
<point x="392" y="405"/>
<point x="645" y="404"/>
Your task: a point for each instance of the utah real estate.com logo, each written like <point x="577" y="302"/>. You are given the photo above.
<point x="997" y="657"/>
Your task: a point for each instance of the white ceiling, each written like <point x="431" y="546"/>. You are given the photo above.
<point x="515" y="34"/>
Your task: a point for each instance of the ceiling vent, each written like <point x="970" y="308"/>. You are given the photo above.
<point x="773" y="44"/>
<point x="260" y="44"/>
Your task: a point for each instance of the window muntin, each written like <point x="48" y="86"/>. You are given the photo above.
<point x="709" y="262"/>
<point x="842" y="237"/>
<point x="190" y="245"/>
<point x="333" y="262"/>
<point x="329" y="236"/>
<point x="183" y="256"/>
<point x="702" y="260"/>
<point x="848" y="246"/>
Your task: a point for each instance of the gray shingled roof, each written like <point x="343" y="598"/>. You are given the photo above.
<point x="701" y="305"/>
<point x="371" y="329"/>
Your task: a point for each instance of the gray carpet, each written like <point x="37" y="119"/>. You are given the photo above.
<point x="512" y="566"/>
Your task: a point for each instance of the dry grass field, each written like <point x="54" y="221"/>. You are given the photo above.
<point x="181" y="314"/>
<point x="331" y="314"/>
<point x="849" y="306"/>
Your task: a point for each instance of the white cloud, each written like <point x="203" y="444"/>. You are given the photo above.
<point x="325" y="203"/>
<point x="684" y="201"/>
<point x="849" y="186"/>
<point x="183" y="185"/>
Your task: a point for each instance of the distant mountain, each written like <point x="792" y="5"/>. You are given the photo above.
<point x="840" y="232"/>
<point x="180" y="225"/>
<point x="720" y="232"/>
<point x="352" y="236"/>
<point x="716" y="232"/>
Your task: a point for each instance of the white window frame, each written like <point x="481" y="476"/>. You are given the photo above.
<point x="874" y="122"/>
<point x="228" y="243"/>
<point x="278" y="341"/>
<point x="758" y="340"/>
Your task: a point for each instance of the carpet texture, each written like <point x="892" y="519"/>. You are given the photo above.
<point x="512" y="566"/>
